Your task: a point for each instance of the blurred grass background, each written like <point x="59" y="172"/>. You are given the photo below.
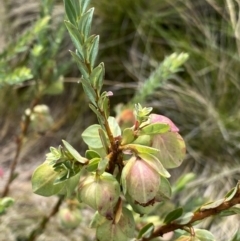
<point x="135" y="36"/>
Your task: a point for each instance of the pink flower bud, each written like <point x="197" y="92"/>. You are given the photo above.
<point x="101" y="193"/>
<point x="140" y="181"/>
<point x="69" y="218"/>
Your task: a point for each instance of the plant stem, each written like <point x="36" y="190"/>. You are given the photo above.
<point x="19" y="142"/>
<point x="198" y="215"/>
<point x="42" y="225"/>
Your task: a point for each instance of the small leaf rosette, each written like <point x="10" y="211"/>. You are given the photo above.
<point x="101" y="193"/>
<point x="140" y="181"/>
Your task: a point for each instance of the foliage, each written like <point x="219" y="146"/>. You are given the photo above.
<point x="122" y="166"/>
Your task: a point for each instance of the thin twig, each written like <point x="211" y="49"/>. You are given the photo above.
<point x="19" y="142"/>
<point x="42" y="225"/>
<point x="198" y="215"/>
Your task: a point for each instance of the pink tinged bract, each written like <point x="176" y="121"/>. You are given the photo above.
<point x="154" y="118"/>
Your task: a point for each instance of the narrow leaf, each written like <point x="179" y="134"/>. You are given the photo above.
<point x="76" y="5"/>
<point x="104" y="140"/>
<point x="85" y="22"/>
<point x="155" y="128"/>
<point x="173" y="215"/>
<point x="70" y="11"/>
<point x="186" y="218"/>
<point x="81" y="65"/>
<point x="230" y="211"/>
<point x="90" y="154"/>
<point x="89" y="91"/>
<point x="141" y="149"/>
<point x="74" y="152"/>
<point x="212" y="204"/>
<point x="93" y="164"/>
<point x="102" y="165"/>
<point x="94" y="51"/>
<point x="204" y="235"/>
<point x="115" y="128"/>
<point x="75" y="37"/>
<point x="83" y="5"/>
<point x="146" y="231"/>
<point x="230" y="195"/>
<point x="99" y="116"/>
<point x="96" y="77"/>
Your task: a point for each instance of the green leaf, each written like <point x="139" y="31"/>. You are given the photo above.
<point x="230" y="195"/>
<point x="76" y="38"/>
<point x="153" y="162"/>
<point x="165" y="191"/>
<point x="146" y="231"/>
<point x="81" y="65"/>
<point x="98" y="114"/>
<point x="90" y="154"/>
<point x="96" y="77"/>
<point x="187" y="238"/>
<point x="141" y="149"/>
<point x="83" y="5"/>
<point x="173" y="215"/>
<point x="121" y="231"/>
<point x="84" y="23"/>
<point x="211" y="205"/>
<point x="128" y="136"/>
<point x="230" y="211"/>
<point x="93" y="164"/>
<point x="43" y="181"/>
<point x="106" y="106"/>
<point x="76" y="5"/>
<point x="74" y="152"/>
<point x="97" y="220"/>
<point x="104" y="139"/>
<point x="102" y="165"/>
<point x="94" y="51"/>
<point x="204" y="235"/>
<point x="89" y="91"/>
<point x="87" y="49"/>
<point x="70" y="11"/>
<point x="155" y="128"/>
<point x="17" y="76"/>
<point x="91" y="136"/>
<point x="172" y="149"/>
<point x="184" y="219"/>
<point x="70" y="184"/>
<point x="236" y="237"/>
<point x="115" y="128"/>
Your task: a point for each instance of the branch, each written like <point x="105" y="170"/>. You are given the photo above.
<point x="19" y="141"/>
<point x="42" y="225"/>
<point x="198" y="215"/>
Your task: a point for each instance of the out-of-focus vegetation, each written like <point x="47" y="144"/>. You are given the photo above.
<point x="135" y="37"/>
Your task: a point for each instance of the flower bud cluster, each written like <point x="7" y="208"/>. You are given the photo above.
<point x="142" y="174"/>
